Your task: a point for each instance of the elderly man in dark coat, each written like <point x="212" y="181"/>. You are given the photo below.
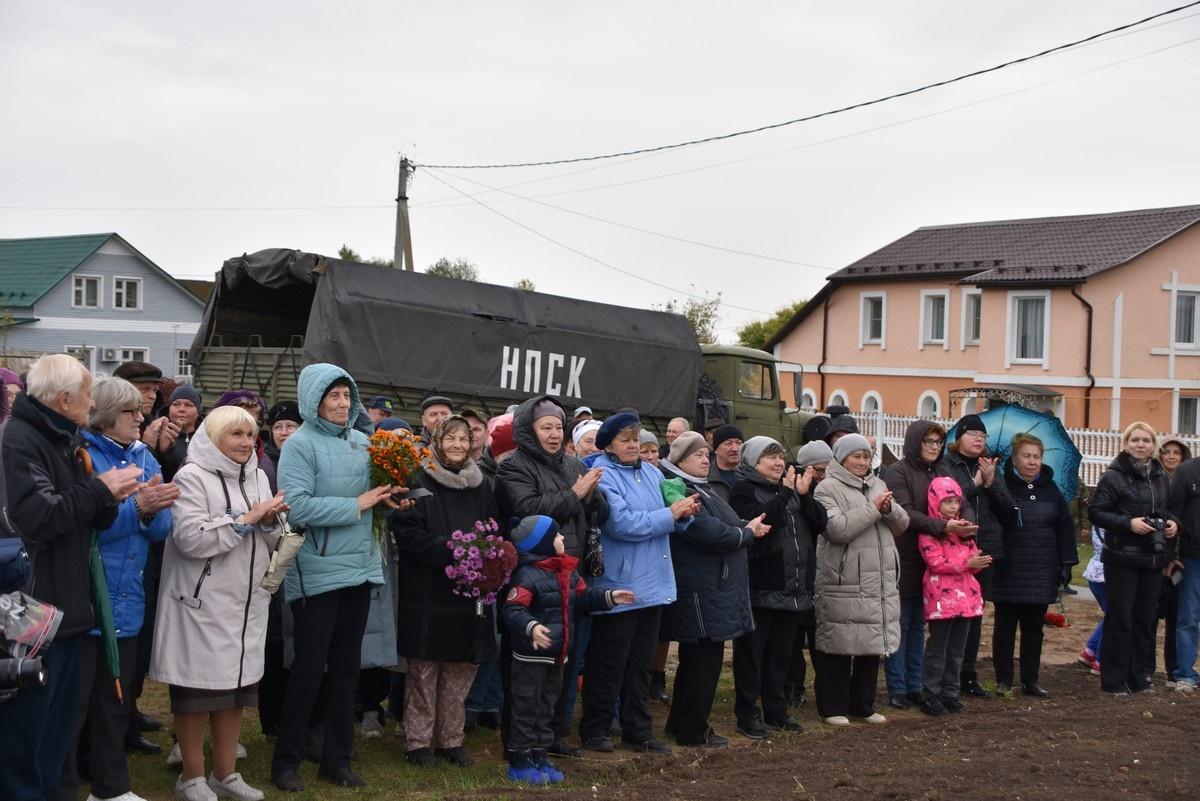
<point x="54" y="504"/>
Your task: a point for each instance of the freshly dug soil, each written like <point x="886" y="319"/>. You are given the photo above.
<point x="1077" y="744"/>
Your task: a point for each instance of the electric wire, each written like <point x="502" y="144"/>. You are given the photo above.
<point x="589" y="257"/>
<point x="821" y="114"/>
<point x="451" y="202"/>
<point x="640" y="230"/>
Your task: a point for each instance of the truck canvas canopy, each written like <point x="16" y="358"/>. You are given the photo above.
<point x="423" y="333"/>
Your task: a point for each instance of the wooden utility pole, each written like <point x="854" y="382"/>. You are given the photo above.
<point x="402" y="259"/>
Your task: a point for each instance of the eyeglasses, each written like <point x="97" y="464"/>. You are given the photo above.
<point x="933" y="442"/>
<point x="974" y="434"/>
<point x="135" y="412"/>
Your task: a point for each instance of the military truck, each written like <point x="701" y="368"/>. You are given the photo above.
<point x="409" y="335"/>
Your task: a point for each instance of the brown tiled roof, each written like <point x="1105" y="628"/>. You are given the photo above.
<point x="1040" y="250"/>
<point x="200" y="288"/>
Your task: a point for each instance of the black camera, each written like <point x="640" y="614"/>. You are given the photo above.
<point x="1158" y="537"/>
<point x="16" y="673"/>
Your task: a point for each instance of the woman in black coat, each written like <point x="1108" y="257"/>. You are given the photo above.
<point x="782" y="567"/>
<point x="1129" y="498"/>
<point x="443" y="635"/>
<point x="712" y="585"/>
<point x="1039" y="549"/>
<point x="540" y="478"/>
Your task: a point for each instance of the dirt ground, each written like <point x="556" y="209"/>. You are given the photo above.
<point x="1077" y="744"/>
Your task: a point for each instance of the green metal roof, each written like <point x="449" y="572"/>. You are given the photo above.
<point x="29" y="268"/>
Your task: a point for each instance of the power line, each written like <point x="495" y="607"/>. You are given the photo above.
<point x="819" y="115"/>
<point x="671" y="237"/>
<point x="581" y="254"/>
<point x="451" y="202"/>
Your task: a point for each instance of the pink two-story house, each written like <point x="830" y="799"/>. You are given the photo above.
<point x="1096" y="317"/>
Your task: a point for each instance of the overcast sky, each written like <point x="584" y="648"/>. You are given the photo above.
<point x="195" y="130"/>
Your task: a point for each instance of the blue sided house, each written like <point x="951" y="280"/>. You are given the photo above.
<point x="96" y="297"/>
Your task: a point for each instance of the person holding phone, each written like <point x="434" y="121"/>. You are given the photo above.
<point x="1039" y="551"/>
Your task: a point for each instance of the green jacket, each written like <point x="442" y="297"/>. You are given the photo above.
<point x="323" y="468"/>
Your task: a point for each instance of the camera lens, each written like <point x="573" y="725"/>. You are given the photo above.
<point x="15" y="673"/>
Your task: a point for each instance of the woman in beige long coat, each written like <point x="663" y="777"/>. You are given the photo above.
<point x="212" y="613"/>
<point x="856" y="593"/>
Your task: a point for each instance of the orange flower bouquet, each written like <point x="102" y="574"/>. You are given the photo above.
<point x="395" y="457"/>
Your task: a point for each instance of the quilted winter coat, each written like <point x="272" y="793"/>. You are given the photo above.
<point x="857" y="594"/>
<point x="711" y="577"/>
<point x="125" y="545"/>
<point x="1039" y="541"/>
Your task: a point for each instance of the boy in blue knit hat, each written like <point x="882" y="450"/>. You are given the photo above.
<point x="539" y="612"/>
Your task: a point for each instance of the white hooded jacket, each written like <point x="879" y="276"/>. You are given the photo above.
<point x="212" y="614"/>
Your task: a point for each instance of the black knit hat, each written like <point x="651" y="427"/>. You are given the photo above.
<point x="968" y="422"/>
<point x="284" y="410"/>
<point x="726" y="432"/>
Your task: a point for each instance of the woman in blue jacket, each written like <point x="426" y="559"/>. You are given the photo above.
<point x="637" y="556"/>
<point x="324" y="474"/>
<point x="112" y="440"/>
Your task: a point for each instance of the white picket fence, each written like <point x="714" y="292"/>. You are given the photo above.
<point x="1098" y="446"/>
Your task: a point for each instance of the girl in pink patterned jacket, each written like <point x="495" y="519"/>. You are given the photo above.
<point x="952" y="598"/>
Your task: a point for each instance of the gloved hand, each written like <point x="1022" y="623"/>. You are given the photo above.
<point x="1064" y="575"/>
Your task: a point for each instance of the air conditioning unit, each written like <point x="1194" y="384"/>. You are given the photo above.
<point x="109" y="355"/>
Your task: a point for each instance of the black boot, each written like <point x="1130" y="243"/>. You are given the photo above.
<point x="658" y="686"/>
<point x="970" y="686"/>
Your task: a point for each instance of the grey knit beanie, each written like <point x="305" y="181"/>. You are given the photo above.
<point x="756" y="448"/>
<point x="848" y="445"/>
<point x="814" y="453"/>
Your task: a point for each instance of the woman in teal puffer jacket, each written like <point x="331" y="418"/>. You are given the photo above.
<point x="324" y="473"/>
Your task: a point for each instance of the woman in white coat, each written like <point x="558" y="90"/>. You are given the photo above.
<point x="212" y="613"/>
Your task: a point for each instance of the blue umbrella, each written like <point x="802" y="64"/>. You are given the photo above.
<point x="1060" y="453"/>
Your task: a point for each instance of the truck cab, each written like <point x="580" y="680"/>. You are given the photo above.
<point x="741" y="386"/>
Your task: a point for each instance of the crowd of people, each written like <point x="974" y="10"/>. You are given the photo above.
<point x="811" y="561"/>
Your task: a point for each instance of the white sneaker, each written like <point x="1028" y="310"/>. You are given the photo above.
<point x="129" y="796"/>
<point x="235" y="787"/>
<point x="196" y="789"/>
<point x="1184" y="686"/>
<point x="875" y="718"/>
<point x="241" y="752"/>
<point x="371" y="728"/>
<point x="175" y="757"/>
<point x="837" y="720"/>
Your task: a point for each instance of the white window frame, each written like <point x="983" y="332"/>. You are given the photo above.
<point x="863" y="341"/>
<point x="1195" y="343"/>
<point x="182" y="367"/>
<point x="808" y="398"/>
<point x="1180" y="425"/>
<point x="1010" y="348"/>
<point x="923" y="335"/>
<point x="99" y="279"/>
<point x="937" y="404"/>
<point x="91" y="351"/>
<point x="835" y="395"/>
<point x="964" y="337"/>
<point x="124" y="353"/>
<point x="871" y="395"/>
<point x="116" y="279"/>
